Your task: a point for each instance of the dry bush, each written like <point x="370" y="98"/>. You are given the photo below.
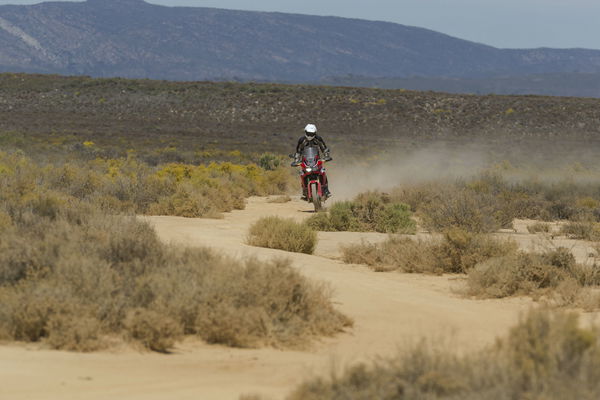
<point x="546" y="356"/>
<point x="538" y="227"/>
<point x="519" y="273"/>
<point x="489" y="201"/>
<point x="71" y="275"/>
<point x="584" y="230"/>
<point x="402" y="254"/>
<point x="75" y="332"/>
<point x="371" y="211"/>
<point x="155" y="331"/>
<point x="457" y="252"/>
<point x="112" y="276"/>
<point x="283" y="234"/>
<point x="467" y="210"/>
<point x="554" y="273"/>
<point x="461" y="250"/>
<point x="248" y="305"/>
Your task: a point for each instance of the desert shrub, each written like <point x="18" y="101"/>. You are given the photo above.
<point x="155" y="331"/>
<point x="519" y="273"/>
<point x="546" y="356"/>
<point x="115" y="277"/>
<point x="249" y="305"/>
<point x="283" y="234"/>
<point x="532" y="273"/>
<point x="270" y="161"/>
<point x="457" y="252"/>
<point x="339" y="218"/>
<point x="585" y="230"/>
<point x="75" y="332"/>
<point x="538" y="227"/>
<point x="371" y="211"/>
<point x="404" y="254"/>
<point x="467" y="210"/>
<point x="75" y="275"/>
<point x="461" y="250"/>
<point x="490" y="200"/>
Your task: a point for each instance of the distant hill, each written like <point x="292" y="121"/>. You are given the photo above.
<point x="131" y="38"/>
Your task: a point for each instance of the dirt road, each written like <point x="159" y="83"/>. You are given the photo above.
<point x="389" y="310"/>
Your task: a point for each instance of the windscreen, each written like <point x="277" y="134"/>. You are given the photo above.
<point x="310" y="156"/>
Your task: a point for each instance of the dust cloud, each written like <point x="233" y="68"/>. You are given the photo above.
<point x="437" y="162"/>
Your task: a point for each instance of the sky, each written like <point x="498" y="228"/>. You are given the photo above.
<point x="500" y="23"/>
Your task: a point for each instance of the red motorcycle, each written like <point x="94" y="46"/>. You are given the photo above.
<point x="312" y="176"/>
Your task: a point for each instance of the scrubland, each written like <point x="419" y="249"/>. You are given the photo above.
<point x="462" y="216"/>
<point x="546" y="356"/>
<point x="81" y="157"/>
<point x="79" y="271"/>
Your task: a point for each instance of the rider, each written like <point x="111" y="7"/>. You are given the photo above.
<point x="311" y="138"/>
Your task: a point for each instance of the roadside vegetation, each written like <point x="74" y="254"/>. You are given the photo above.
<point x="128" y="185"/>
<point x="77" y="273"/>
<point x="283" y="234"/>
<point x="457" y="251"/>
<point x="547" y="355"/>
<point x="368" y="212"/>
<point x="491" y="200"/>
<point x="492" y="267"/>
<point x="462" y="217"/>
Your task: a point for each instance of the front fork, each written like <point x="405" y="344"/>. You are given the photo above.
<point x="304" y="180"/>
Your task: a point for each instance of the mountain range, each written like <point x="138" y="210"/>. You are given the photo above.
<point x="135" y="39"/>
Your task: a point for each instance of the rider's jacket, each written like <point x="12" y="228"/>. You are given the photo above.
<point x="317" y="141"/>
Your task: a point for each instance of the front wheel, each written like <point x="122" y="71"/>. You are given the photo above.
<point x="316" y="197"/>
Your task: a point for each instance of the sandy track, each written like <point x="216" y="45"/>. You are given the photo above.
<point x="388" y="310"/>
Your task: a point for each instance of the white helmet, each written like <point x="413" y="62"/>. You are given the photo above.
<point x="310" y="131"/>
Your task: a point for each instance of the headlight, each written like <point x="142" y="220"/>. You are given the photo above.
<point x="308" y="169"/>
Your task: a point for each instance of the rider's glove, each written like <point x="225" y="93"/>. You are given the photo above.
<point x="296" y="161"/>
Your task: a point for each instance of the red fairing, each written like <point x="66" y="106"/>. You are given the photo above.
<point x="316" y="175"/>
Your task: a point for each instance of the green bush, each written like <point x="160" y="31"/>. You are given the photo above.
<point x="283" y="234"/>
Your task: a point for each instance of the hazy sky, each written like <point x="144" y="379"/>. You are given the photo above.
<point x="501" y="23"/>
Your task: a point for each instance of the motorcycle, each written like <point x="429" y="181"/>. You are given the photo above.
<point x="312" y="175"/>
